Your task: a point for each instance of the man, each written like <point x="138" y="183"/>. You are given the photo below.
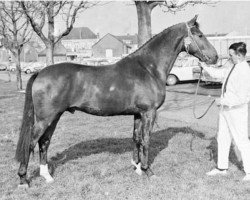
<point x="233" y="117"/>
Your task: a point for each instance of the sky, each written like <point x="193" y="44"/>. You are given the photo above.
<point x="119" y="18"/>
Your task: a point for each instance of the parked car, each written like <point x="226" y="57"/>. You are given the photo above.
<point x="3" y="67"/>
<point x="96" y="62"/>
<point x="182" y="70"/>
<point x="33" y="67"/>
<point x="12" y="67"/>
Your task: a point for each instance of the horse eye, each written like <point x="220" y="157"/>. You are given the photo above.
<point x="200" y="36"/>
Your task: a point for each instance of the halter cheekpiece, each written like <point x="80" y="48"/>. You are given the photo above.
<point x="188" y="40"/>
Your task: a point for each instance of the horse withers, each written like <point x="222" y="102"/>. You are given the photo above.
<point x="135" y="85"/>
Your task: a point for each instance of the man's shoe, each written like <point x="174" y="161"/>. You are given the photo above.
<point x="217" y="171"/>
<point x="246" y="178"/>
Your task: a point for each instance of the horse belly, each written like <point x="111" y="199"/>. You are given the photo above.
<point x="104" y="106"/>
<point x="99" y="101"/>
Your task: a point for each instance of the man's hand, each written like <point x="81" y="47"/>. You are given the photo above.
<point x="219" y="103"/>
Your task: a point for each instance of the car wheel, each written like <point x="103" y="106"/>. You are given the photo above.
<point x="28" y="71"/>
<point x="172" y="79"/>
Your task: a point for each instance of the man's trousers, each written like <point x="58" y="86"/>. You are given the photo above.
<point x="233" y="124"/>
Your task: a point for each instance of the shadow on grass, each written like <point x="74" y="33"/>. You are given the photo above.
<point x="159" y="140"/>
<point x="234" y="154"/>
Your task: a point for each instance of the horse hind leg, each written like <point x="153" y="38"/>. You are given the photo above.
<point x="37" y="130"/>
<point x="44" y="143"/>
<point x="22" y="172"/>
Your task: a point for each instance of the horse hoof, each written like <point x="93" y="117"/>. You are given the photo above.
<point x="138" y="171"/>
<point x="133" y="163"/>
<point x="137" y="167"/>
<point x="23" y="186"/>
<point x="149" y="172"/>
<point x="49" y="180"/>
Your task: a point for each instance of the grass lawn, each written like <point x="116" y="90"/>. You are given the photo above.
<point x="90" y="159"/>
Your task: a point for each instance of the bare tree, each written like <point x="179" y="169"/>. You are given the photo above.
<point x="144" y="9"/>
<point x="15" y="32"/>
<point x="42" y="13"/>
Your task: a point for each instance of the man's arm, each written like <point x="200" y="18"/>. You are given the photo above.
<point x="219" y="73"/>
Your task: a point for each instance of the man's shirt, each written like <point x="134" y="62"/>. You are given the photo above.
<point x="238" y="84"/>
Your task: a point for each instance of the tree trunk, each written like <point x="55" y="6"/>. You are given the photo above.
<point x="19" y="85"/>
<point x="144" y="21"/>
<point x="51" y="40"/>
<point x="49" y="54"/>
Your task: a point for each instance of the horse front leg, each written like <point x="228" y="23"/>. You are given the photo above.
<point x="43" y="149"/>
<point x="137" y="142"/>
<point x="148" y="119"/>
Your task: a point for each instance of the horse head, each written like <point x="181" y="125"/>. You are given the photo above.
<point x="197" y="44"/>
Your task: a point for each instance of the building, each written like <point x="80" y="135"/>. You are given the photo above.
<point x="4" y="55"/>
<point x="29" y="53"/>
<point x="79" y="42"/>
<point x="60" y="54"/>
<point x="110" y="46"/>
<point x="131" y="40"/>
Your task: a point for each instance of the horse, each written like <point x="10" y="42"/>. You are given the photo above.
<point x="135" y="85"/>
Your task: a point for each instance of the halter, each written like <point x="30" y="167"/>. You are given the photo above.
<point x="188" y="41"/>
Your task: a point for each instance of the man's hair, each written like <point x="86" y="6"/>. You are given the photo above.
<point x="239" y="48"/>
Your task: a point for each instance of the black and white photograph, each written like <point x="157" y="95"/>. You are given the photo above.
<point x="124" y="100"/>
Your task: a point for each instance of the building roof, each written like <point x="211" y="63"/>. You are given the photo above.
<point x="233" y="33"/>
<point x="108" y="34"/>
<point x="132" y="38"/>
<point x="80" y="33"/>
<point x="216" y="34"/>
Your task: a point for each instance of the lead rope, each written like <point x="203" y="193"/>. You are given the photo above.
<point x="195" y="99"/>
<point x="187" y="42"/>
<point x="194" y="107"/>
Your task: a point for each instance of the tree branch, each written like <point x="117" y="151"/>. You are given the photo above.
<point x="177" y="5"/>
<point x="37" y="28"/>
<point x="69" y="25"/>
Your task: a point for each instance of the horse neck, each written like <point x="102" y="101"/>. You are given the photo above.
<point x="162" y="50"/>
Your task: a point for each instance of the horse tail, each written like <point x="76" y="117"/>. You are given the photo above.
<point x="23" y="145"/>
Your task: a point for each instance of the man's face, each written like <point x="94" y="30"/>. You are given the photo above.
<point x="233" y="56"/>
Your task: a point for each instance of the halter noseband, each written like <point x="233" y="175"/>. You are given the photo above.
<point x="188" y="41"/>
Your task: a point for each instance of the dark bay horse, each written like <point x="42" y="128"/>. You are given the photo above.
<point x="134" y="85"/>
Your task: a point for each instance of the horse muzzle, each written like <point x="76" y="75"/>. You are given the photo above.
<point x="210" y="60"/>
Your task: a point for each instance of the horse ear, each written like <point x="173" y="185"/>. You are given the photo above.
<point x="192" y="21"/>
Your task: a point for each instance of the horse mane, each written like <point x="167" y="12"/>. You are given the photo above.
<point x="152" y="38"/>
<point x="196" y="24"/>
